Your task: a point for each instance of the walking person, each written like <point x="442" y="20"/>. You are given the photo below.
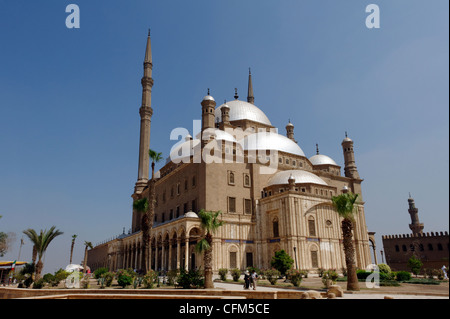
<point x="254" y="279"/>
<point x="246" y="279"/>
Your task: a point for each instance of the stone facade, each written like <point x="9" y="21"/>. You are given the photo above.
<point x="431" y="248"/>
<point x="263" y="211"/>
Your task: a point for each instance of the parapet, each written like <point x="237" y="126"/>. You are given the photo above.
<point x="423" y="235"/>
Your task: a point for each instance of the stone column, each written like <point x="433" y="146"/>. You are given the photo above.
<point x="178" y="252"/>
<point x="186" y="254"/>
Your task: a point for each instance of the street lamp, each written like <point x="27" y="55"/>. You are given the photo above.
<point x="295" y="255"/>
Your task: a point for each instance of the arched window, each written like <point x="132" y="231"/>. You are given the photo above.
<point x="231" y="178"/>
<point x="311" y="226"/>
<point x="397" y="248"/>
<point x="276" y="232"/>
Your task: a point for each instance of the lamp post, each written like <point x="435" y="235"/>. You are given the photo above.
<point x="295" y="256"/>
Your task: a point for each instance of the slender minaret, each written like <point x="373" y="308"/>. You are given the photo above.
<point x="349" y="158"/>
<point x="145" y="112"/>
<point x="290" y="131"/>
<point x="416" y="226"/>
<point x="250" y="97"/>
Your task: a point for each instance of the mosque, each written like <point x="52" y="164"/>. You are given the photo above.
<point x="271" y="195"/>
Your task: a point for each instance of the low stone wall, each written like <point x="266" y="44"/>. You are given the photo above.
<point x="12" y="293"/>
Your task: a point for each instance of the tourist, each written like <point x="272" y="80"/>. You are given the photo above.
<point x="246" y="279"/>
<point x="444" y="270"/>
<point x="254" y="279"/>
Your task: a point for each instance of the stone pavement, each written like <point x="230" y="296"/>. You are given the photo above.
<point x="354" y="295"/>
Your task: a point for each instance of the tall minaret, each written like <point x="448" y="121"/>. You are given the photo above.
<point x="349" y="158"/>
<point x="416" y="226"/>
<point x="145" y="112"/>
<point x="250" y="97"/>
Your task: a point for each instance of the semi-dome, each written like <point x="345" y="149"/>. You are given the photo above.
<point x="320" y="159"/>
<point x="240" y="110"/>
<point x="300" y="176"/>
<point x="270" y="141"/>
<point x="218" y="134"/>
<point x="184" y="150"/>
<point x="191" y="214"/>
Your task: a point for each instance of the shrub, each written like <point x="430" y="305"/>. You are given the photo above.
<point x="150" y="279"/>
<point x="282" y="261"/>
<point x="415" y="265"/>
<point x="403" y="275"/>
<point x="272" y="275"/>
<point x="124" y="278"/>
<point x="235" y="273"/>
<point x="223" y="274"/>
<point x="362" y="274"/>
<point x="39" y="284"/>
<point x="295" y="276"/>
<point x="172" y="276"/>
<point x="108" y="276"/>
<point x="385" y="269"/>
<point x="99" y="272"/>
<point x="190" y="279"/>
<point x="329" y="277"/>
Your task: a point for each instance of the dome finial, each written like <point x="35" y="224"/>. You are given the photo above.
<point x="346" y="134"/>
<point x="317" y="149"/>
<point x="236" y="96"/>
<point x="148" y="31"/>
<point x="208" y="91"/>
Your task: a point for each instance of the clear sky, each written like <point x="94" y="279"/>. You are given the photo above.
<point x="69" y="101"/>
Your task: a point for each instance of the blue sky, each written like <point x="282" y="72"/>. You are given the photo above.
<point x="69" y="101"/>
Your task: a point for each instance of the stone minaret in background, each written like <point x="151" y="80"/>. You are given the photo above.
<point x="415" y="226"/>
<point x="250" y="97"/>
<point x="350" y="169"/>
<point x="145" y="112"/>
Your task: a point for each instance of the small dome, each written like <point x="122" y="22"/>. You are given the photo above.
<point x="270" y="141"/>
<point x="347" y="139"/>
<point x="184" y="150"/>
<point x="191" y="214"/>
<point x="300" y="176"/>
<point x="208" y="98"/>
<point x="320" y="159"/>
<point x="218" y="135"/>
<point x="240" y="110"/>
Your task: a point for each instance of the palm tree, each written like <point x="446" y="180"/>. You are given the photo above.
<point x="87" y="245"/>
<point x="210" y="223"/>
<point x="71" y="248"/>
<point x="40" y="244"/>
<point x="141" y="206"/>
<point x="345" y="207"/>
<point x="155" y="157"/>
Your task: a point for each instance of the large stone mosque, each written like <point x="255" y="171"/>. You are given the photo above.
<point x="271" y="195"/>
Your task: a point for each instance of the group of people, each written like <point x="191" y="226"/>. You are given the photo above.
<point x="250" y="280"/>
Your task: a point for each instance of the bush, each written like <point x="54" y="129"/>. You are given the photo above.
<point x="39" y="284"/>
<point x="295" y="276"/>
<point x="403" y="276"/>
<point x="415" y="265"/>
<point x="99" y="272"/>
<point x="190" y="279"/>
<point x="150" y="279"/>
<point x="108" y="276"/>
<point x="282" y="261"/>
<point x="329" y="277"/>
<point x="362" y="274"/>
<point x="235" y="273"/>
<point x="223" y="274"/>
<point x="172" y="277"/>
<point x="272" y="275"/>
<point x="385" y="269"/>
<point x="124" y="280"/>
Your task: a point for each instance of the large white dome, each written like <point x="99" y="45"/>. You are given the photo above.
<point x="240" y="110"/>
<point x="270" y="141"/>
<point x="300" y="176"/>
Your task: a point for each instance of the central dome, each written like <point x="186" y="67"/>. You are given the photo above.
<point x="240" y="110"/>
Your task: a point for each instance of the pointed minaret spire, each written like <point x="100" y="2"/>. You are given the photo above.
<point x="250" y="97"/>
<point x="148" y="50"/>
<point x="146" y="113"/>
